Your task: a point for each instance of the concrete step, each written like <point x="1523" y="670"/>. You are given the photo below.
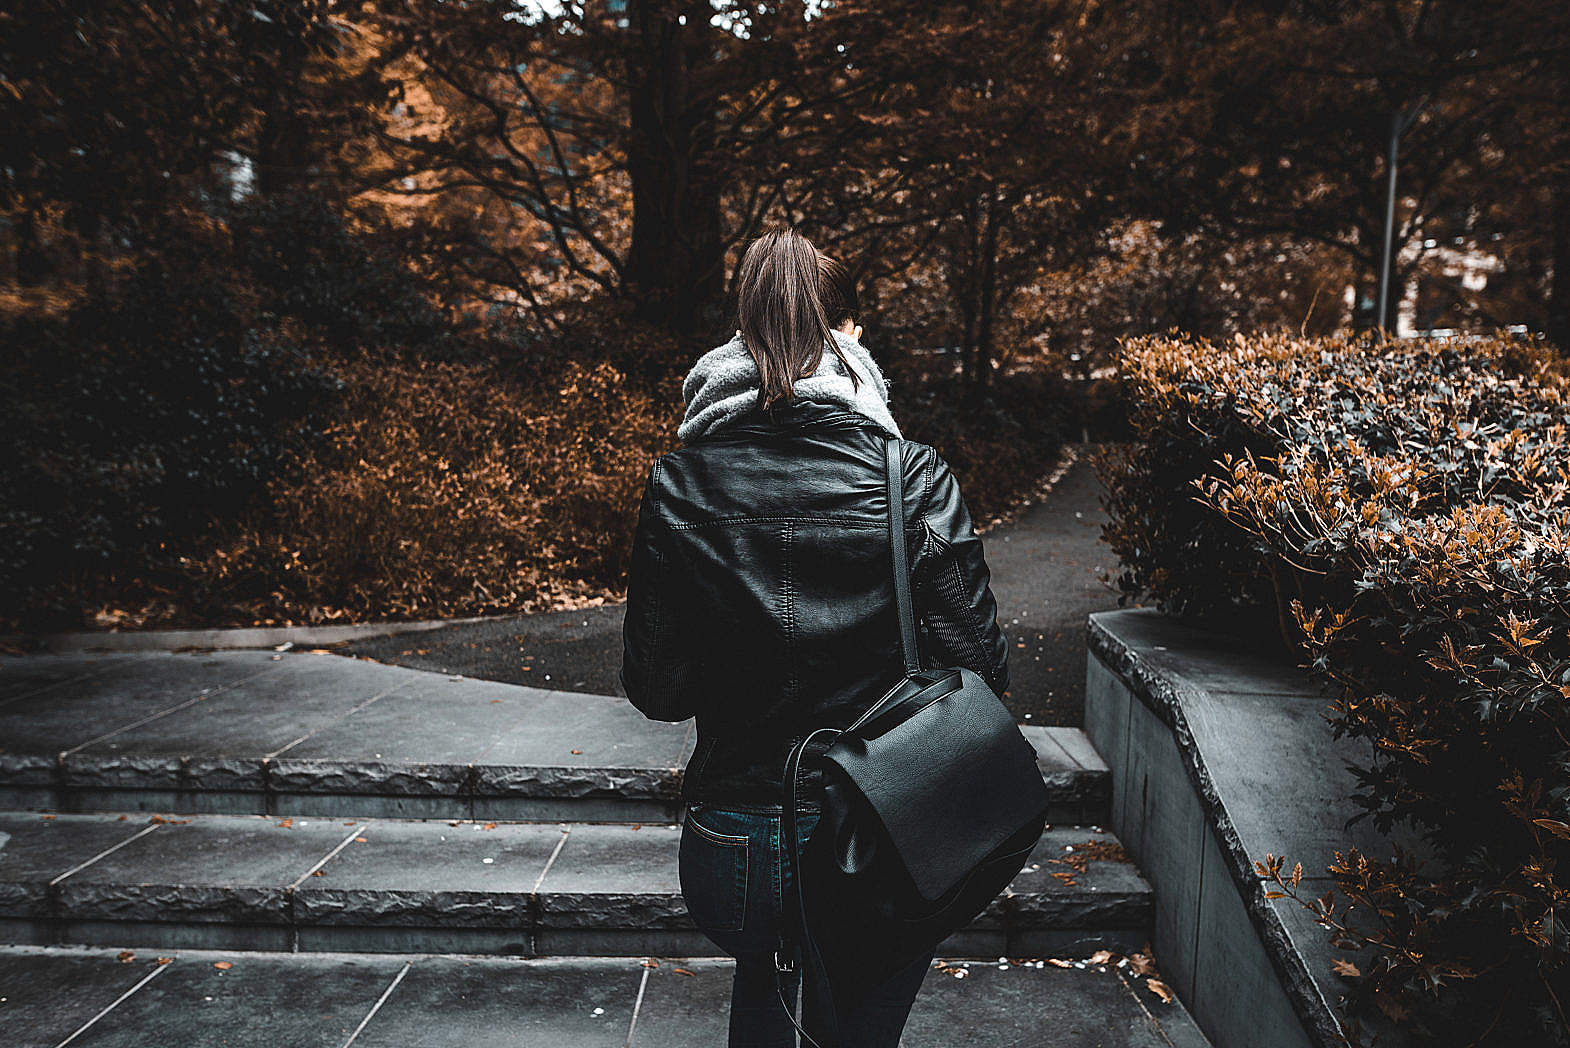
<point x="525" y="889"/>
<point x="310" y="734"/>
<point x="197" y="999"/>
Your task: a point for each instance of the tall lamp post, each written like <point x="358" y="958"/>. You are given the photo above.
<point x="1400" y="122"/>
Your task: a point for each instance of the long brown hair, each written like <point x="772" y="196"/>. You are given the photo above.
<point x="779" y="309"/>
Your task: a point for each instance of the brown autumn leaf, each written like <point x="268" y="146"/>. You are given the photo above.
<point x="488" y="826"/>
<point x="1058" y="962"/>
<point x="683" y="971"/>
<point x="47" y="817"/>
<point x="1345" y="967"/>
<point x="125" y="956"/>
<point x="1101" y="957"/>
<point x="651" y="963"/>
<point x="1160" y="989"/>
<point x="577" y="751"/>
<point x="165" y="960"/>
<point x="223" y="966"/>
<point x="318" y="873"/>
<point x="359" y="840"/>
<point x="1553" y="826"/>
<point x="1141" y="964"/>
<point x="287" y="824"/>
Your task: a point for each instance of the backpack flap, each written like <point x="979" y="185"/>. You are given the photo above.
<point x="949" y="782"/>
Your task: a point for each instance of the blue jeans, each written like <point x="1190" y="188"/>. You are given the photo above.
<point x="734" y="876"/>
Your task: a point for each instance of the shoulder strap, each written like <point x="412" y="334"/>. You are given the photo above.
<point x="894" y="473"/>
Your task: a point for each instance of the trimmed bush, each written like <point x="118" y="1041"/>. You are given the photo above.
<point x="1399" y="514"/>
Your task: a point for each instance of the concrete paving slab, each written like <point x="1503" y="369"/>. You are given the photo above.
<point x="219" y="743"/>
<point x="1018" y="1006"/>
<point x="392" y="885"/>
<point x="615" y="877"/>
<point x="998" y="1007"/>
<point x="432" y="874"/>
<point x="427" y="718"/>
<point x="451" y="1002"/>
<point x="1076" y="744"/>
<point x="32" y="676"/>
<point x="231" y="869"/>
<point x="35" y="849"/>
<point x="417" y="742"/>
<point x="1078" y="794"/>
<point x="564" y="739"/>
<point x="36" y="728"/>
<point x="47" y="994"/>
<point x="293" y="1001"/>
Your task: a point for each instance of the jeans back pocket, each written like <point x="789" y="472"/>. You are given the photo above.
<point x="713" y="870"/>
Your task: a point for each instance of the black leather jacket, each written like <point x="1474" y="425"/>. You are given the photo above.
<point x="760" y="596"/>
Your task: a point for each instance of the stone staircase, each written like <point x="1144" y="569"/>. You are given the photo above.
<point x="307" y="813"/>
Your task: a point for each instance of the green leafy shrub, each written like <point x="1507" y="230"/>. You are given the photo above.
<point x="1401" y="513"/>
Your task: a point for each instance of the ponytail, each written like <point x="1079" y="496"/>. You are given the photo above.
<point x="779" y="308"/>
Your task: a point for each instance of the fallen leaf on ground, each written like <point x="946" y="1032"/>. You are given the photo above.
<point x="683" y="971"/>
<point x="489" y="826"/>
<point x="1141" y="963"/>
<point x="359" y="840"/>
<point x="46" y="817"/>
<point x="1160" y="989"/>
<point x="577" y="751"/>
<point x="223" y="966"/>
<point x="1346" y="967"/>
<point x="125" y="956"/>
<point x="166" y="960"/>
<point x="1058" y="962"/>
<point x="1101" y="957"/>
<point x="651" y="963"/>
<point x="287" y="824"/>
<point x="318" y="873"/>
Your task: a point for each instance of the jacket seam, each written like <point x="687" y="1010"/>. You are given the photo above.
<point x="854" y="522"/>
<point x="926" y="485"/>
<point x="789" y="610"/>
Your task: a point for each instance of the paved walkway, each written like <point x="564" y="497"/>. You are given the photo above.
<point x="1046" y="565"/>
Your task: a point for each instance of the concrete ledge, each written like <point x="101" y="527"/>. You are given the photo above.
<point x="1220" y="756"/>
<point x="225" y="638"/>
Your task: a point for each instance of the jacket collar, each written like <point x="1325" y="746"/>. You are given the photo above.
<point x="787" y="416"/>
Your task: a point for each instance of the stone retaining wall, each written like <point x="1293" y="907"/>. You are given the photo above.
<point x="1218" y="757"/>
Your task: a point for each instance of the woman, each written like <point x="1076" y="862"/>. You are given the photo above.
<point x="760" y="599"/>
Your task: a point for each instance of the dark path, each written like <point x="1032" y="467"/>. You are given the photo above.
<point x="1045" y="563"/>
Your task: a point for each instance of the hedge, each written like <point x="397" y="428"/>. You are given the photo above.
<point x="1397" y="514"/>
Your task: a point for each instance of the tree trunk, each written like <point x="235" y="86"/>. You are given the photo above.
<point x="1559" y="290"/>
<point x="283" y="148"/>
<point x="987" y="293"/>
<point x="675" y="266"/>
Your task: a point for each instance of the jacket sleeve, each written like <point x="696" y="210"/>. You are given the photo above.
<point x="655" y="667"/>
<point x="952" y="589"/>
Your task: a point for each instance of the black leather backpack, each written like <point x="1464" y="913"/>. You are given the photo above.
<point x="931" y="802"/>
